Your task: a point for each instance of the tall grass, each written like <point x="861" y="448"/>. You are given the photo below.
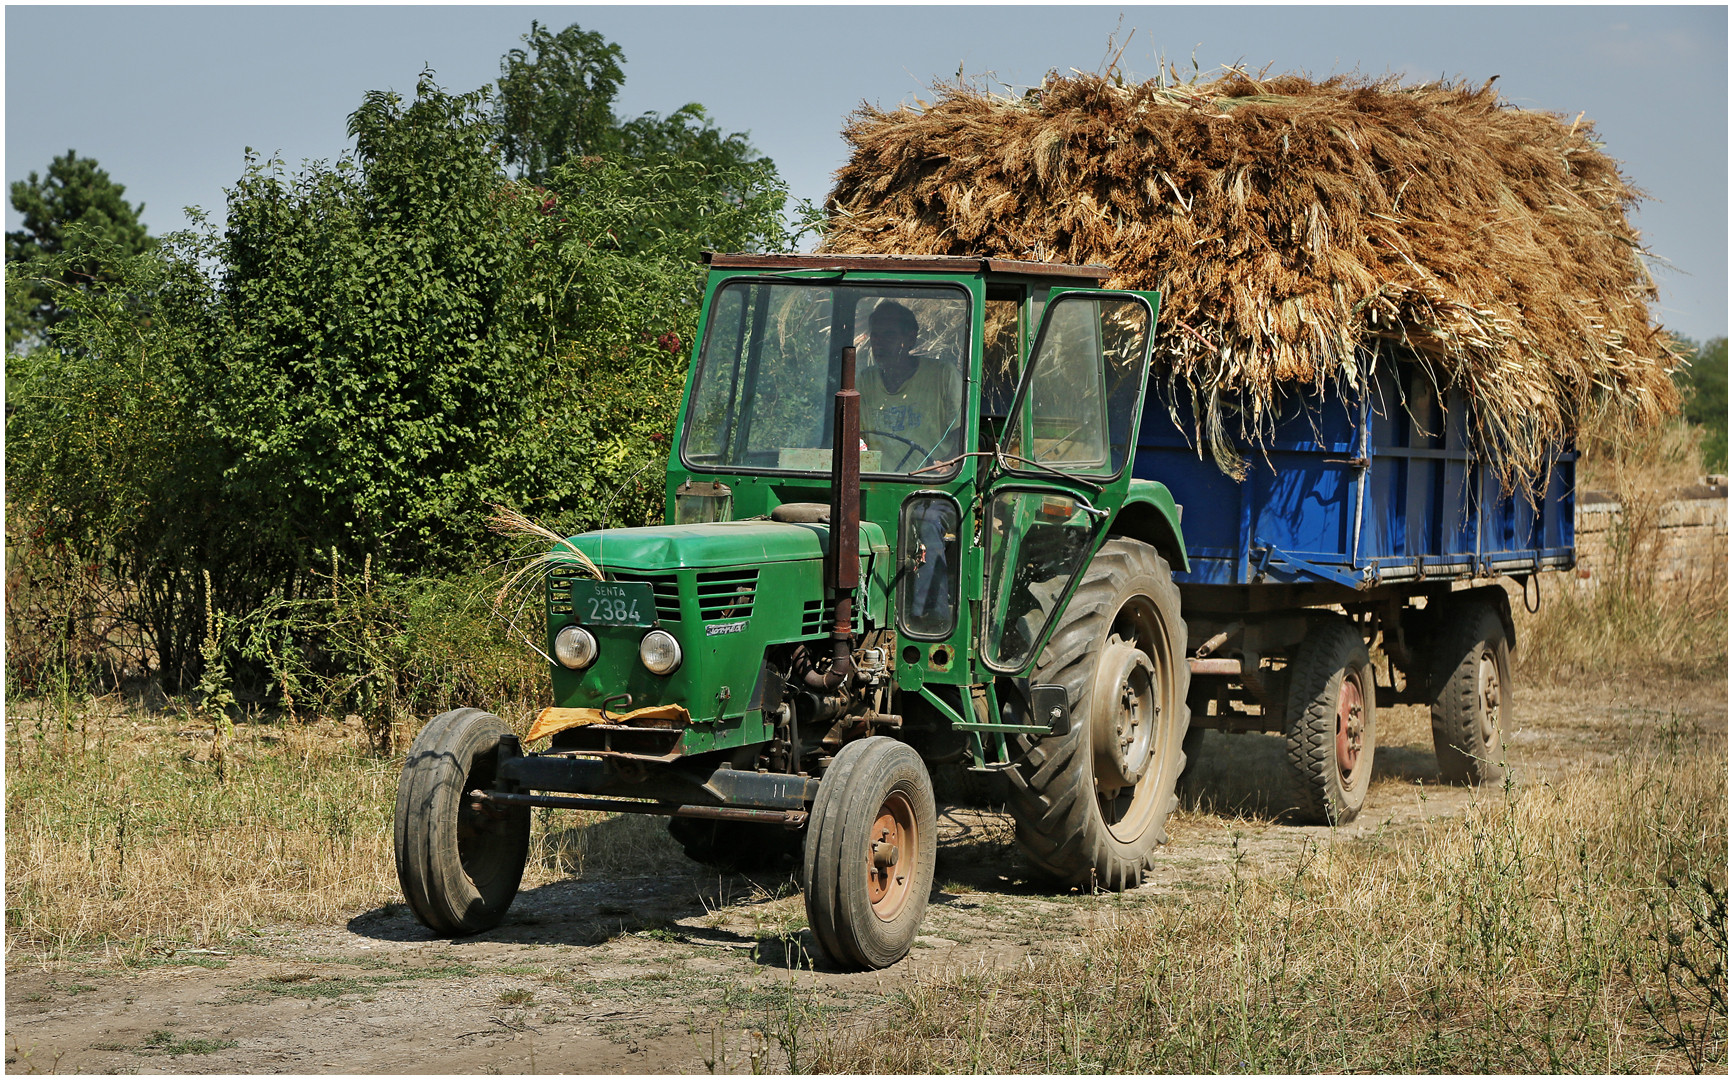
<point x="1627" y="621"/>
<point x="1576" y="925"/>
<point x="126" y="833"/>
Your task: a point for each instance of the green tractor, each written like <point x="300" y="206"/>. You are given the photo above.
<point x="903" y="532"/>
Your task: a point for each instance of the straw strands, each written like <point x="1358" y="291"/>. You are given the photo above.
<point x="1292" y="226"/>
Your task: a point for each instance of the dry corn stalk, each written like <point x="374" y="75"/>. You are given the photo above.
<point x="1292" y="226"/>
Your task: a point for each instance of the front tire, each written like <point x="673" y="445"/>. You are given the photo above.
<point x="1331" y="724"/>
<point x="1472" y="702"/>
<point x="870" y="846"/>
<point x="1091" y="805"/>
<point x="459" y="863"/>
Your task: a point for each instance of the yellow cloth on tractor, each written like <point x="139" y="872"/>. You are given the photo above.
<point x="552" y="721"/>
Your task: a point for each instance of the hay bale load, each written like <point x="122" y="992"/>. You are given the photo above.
<point x="1292" y="226"/>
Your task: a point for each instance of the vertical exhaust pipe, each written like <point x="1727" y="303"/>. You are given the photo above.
<point x="843" y="569"/>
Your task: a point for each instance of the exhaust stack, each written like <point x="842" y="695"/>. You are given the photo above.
<point x="843" y="569"/>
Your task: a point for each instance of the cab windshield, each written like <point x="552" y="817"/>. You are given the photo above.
<point x="771" y="363"/>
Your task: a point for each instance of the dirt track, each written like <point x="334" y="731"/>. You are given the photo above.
<point x="695" y="972"/>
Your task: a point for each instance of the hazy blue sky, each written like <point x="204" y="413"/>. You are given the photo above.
<point x="166" y="98"/>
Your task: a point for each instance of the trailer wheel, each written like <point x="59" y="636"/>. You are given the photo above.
<point x="1331" y="724"/>
<point x="1091" y="805"/>
<point x="735" y="846"/>
<point x="1472" y="697"/>
<point x="870" y="844"/>
<point x="459" y="863"/>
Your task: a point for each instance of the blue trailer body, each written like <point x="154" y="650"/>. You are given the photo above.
<point x="1357" y="494"/>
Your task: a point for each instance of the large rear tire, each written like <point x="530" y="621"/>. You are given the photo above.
<point x="459" y="863"/>
<point x="1091" y="805"/>
<point x="870" y="843"/>
<point x="1472" y="695"/>
<point x="1331" y="724"/>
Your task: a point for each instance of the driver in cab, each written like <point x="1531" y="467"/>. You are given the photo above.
<point x="910" y="405"/>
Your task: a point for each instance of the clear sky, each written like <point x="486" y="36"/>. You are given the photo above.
<point x="167" y="98"/>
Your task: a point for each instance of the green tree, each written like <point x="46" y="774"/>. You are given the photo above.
<point x="556" y="98"/>
<point x="1705" y="388"/>
<point x="365" y="357"/>
<point x="74" y="210"/>
<point x="555" y="103"/>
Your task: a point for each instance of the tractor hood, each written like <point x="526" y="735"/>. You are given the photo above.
<point x="718" y="544"/>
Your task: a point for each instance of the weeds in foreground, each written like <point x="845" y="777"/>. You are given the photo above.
<point x="124" y="838"/>
<point x="1571" y="926"/>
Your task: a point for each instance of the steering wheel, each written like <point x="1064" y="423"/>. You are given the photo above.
<point x="913" y="447"/>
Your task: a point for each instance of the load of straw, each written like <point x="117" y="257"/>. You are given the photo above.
<point x="1292" y="226"/>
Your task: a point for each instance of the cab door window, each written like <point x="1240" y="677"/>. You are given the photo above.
<point x="1081" y="397"/>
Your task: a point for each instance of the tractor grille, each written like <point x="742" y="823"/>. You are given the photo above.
<point x="726" y="594"/>
<point x="667" y="591"/>
<point x="812" y="618"/>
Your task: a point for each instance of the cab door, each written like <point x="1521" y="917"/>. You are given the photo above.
<point x="1063" y="465"/>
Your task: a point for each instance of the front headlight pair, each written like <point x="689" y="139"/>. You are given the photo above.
<point x="576" y="648"/>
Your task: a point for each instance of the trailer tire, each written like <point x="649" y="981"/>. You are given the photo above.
<point x="1075" y="821"/>
<point x="735" y="846"/>
<point x="459" y="865"/>
<point x="1331" y="724"/>
<point x="874" y="816"/>
<point x="1471" y="702"/>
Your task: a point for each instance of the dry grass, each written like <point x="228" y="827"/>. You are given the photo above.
<point x="1543" y="931"/>
<point x="122" y="838"/>
<point x="1628" y="622"/>
<point x="1627" y="627"/>
<point x="1293" y="224"/>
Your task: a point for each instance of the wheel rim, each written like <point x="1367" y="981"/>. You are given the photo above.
<point x="1129" y="809"/>
<point x="1491" y="695"/>
<point x="1350" y="726"/>
<point x="1125" y="714"/>
<point x="892" y="852"/>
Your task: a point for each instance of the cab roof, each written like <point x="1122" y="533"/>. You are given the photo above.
<point x="963" y="264"/>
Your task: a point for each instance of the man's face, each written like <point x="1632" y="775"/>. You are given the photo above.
<point x="891" y="344"/>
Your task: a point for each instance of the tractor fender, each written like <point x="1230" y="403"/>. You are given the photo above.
<point x="1150" y="515"/>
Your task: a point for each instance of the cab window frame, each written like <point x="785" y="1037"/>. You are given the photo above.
<point x="967" y="369"/>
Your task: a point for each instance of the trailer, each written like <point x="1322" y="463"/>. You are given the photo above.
<point x="1362" y="521"/>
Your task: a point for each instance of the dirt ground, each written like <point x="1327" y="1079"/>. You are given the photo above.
<point x="707" y="972"/>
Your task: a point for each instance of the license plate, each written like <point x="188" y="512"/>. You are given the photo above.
<point x="613" y="603"/>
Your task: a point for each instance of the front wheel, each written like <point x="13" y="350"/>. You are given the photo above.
<point x="1092" y="804"/>
<point x="459" y="861"/>
<point x="1331" y="724"/>
<point x="870" y="844"/>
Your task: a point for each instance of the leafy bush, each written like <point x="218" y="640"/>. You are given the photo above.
<point x="366" y="357"/>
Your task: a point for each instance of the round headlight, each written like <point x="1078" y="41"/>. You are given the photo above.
<point x="659" y="652"/>
<point x="575" y="647"/>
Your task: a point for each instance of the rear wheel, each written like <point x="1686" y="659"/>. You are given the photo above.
<point x="459" y="861"/>
<point x="1331" y="724"/>
<point x="1092" y="804"/>
<point x="870" y="845"/>
<point x="1472" y="698"/>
